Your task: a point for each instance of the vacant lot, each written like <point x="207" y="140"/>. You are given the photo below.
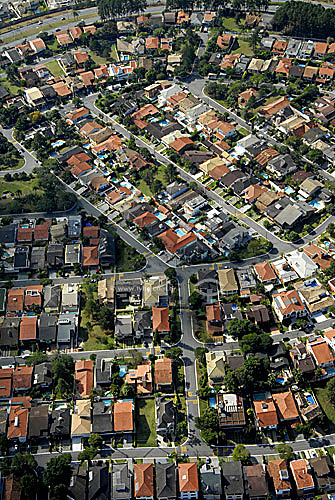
<point x="145" y="422"/>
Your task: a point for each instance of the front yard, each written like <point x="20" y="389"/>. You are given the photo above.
<point x="145" y="422"/>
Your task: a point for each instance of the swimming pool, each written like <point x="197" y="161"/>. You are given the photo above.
<point x="289" y="190"/>
<point x="159" y="215"/>
<point x="180" y="232"/>
<point x="280" y="380"/>
<point x="193" y="220"/>
<point x="259" y="396"/>
<point x="164" y="123"/>
<point x="123" y="370"/>
<point x="58" y="143"/>
<point x="212" y="402"/>
<point x="310" y="399"/>
<point x="314" y="204"/>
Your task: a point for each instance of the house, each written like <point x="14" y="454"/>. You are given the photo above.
<point x="231" y="411"/>
<point x="188" y="480"/>
<point x="259" y="314"/>
<point x="302" y="360"/>
<point x="142" y="324"/>
<point x="315" y="297"/>
<point x="227" y="281"/>
<point x="265" y="273"/>
<point x="80" y="423"/>
<point x="246" y="280"/>
<point x="233" y="480"/>
<point x="320" y="351"/>
<point x="15" y="300"/>
<point x="257" y="487"/>
<point x="277" y="471"/>
<point x="66" y="329"/>
<point x="281" y="165"/>
<point x="123" y="326"/>
<point x="210" y="480"/>
<point x="323" y="470"/>
<point x="266" y="414"/>
<point x="279" y="47"/>
<point x="6" y="379"/>
<point x="144" y="481"/>
<point x="165" y="417"/>
<point x="34" y="97"/>
<point x="225" y="41"/>
<point x="38" y="422"/>
<point x="74" y="224"/>
<point x="286" y="407"/>
<point x="166" y="481"/>
<point x="70" y="298"/>
<point x="155" y="291"/>
<point x="302" y="477"/>
<point x="21" y="258"/>
<point x="160" y="319"/>
<point x="288" y="305"/>
<point x="8" y="235"/>
<point x="33" y="297"/>
<point x="37" y="45"/>
<point x="229" y="312"/>
<point x="214" y="322"/>
<point x="94" y="485"/>
<point x="284" y="272"/>
<point x="120" y="481"/>
<point x="43" y="375"/>
<point x="28" y="329"/>
<point x="182" y="144"/>
<point x="37" y="258"/>
<point x="17" y="427"/>
<point x="275" y="107"/>
<point x="91" y="257"/>
<point x="123" y="417"/>
<point x="163" y="373"/>
<point x="245" y="96"/>
<point x="84" y="377"/>
<point x="141" y="378"/>
<point x="9" y="333"/>
<point x="55" y="255"/>
<point x="51" y="298"/>
<point x="22" y="378"/>
<point x="216" y="370"/>
<point x="73" y="254"/>
<point x="301" y="263"/>
<point x="102" y="418"/>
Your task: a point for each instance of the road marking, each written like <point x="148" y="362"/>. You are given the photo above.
<point x="190" y="394"/>
<point x="183" y="449"/>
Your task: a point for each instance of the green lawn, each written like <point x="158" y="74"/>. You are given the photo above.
<point x="254" y="247"/>
<point x="229" y="23"/>
<point x="145" y="422"/>
<point x="97" y="59"/>
<point x="243" y="48"/>
<point x="19" y="164"/>
<point x="26" y="187"/>
<point x="127" y="259"/>
<point x="114" y="53"/>
<point x="145" y="188"/>
<point x="329" y="410"/>
<point x="97" y="338"/>
<point x="13" y="89"/>
<point x="55" y="68"/>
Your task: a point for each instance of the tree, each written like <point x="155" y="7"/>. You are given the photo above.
<point x="58" y="473"/>
<point x="285" y="452"/>
<point x="95" y="441"/>
<point x="170" y="173"/>
<point x="132" y="142"/>
<point x="331" y="391"/>
<point x="36" y="358"/>
<point x="237" y="328"/>
<point x="174" y="353"/>
<point x="241" y="454"/>
<point x="200" y="354"/>
<point x="195" y="300"/>
<point x="208" y="423"/>
<point x="106" y="318"/>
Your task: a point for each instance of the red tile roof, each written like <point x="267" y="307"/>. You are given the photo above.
<point x="188" y="477"/>
<point x="160" y="319"/>
<point x="163" y="371"/>
<point x="264" y="271"/>
<point x="302" y="477"/>
<point x="286" y="407"/>
<point x="173" y="242"/>
<point x="6" y="377"/>
<point x="143" y="480"/>
<point x="84" y="377"/>
<point x="17" y="422"/>
<point x="15" y="299"/>
<point x="123" y="416"/>
<point x="28" y="328"/>
<point x="24" y="235"/>
<point x="90" y="256"/>
<point x="22" y="377"/>
<point x="91" y="231"/>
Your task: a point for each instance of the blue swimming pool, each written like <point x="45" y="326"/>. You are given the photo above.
<point x="179" y="231"/>
<point x="193" y="220"/>
<point x="58" y="143"/>
<point x="289" y="190"/>
<point x="164" y="123"/>
<point x="314" y="203"/>
<point x="280" y="380"/>
<point x="212" y="402"/>
<point x="123" y="370"/>
<point x="310" y="399"/>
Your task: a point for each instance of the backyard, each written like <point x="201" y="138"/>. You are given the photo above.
<point x="55" y="68"/>
<point x="145" y="422"/>
<point x="327" y="407"/>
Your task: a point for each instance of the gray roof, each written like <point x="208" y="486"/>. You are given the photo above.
<point x="165" y="413"/>
<point x="39" y="421"/>
<point x="211" y="481"/>
<point x="166" y="482"/>
<point x="142" y="320"/>
<point x="47" y="327"/>
<point x="123" y="326"/>
<point x="8" y="234"/>
<point x="289" y="216"/>
<point x="60" y="422"/>
<point x="74" y="226"/>
<point x="37" y="260"/>
<point x="9" y="332"/>
<point x="233" y="483"/>
<point x="66" y="327"/>
<point x="102" y="418"/>
<point x="120" y="482"/>
<point x="43" y="374"/>
<point x="52" y="296"/>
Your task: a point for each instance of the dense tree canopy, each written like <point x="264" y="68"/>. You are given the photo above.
<point x="304" y="19"/>
<point x="112" y="8"/>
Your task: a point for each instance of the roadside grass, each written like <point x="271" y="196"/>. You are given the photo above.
<point x="243" y="48"/>
<point x="8" y="29"/>
<point x="44" y="27"/>
<point x="19" y="164"/>
<point x="145" y="422"/>
<point x="55" y="68"/>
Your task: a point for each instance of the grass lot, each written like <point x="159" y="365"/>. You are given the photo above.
<point x="97" y="338"/>
<point x="329" y="410"/>
<point x="114" y="54"/>
<point x="145" y="188"/>
<point x="243" y="47"/>
<point x="230" y="24"/>
<point x="55" y="68"/>
<point x="254" y="247"/>
<point x="203" y="403"/>
<point x="44" y="27"/>
<point x="267" y="101"/>
<point x="25" y="186"/>
<point x="13" y="89"/>
<point x="97" y="59"/>
<point x="127" y="259"/>
<point x="145" y="422"/>
<point x="181" y="415"/>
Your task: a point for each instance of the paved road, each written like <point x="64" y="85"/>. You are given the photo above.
<point x="30" y="162"/>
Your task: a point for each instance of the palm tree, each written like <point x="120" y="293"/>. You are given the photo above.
<point x="18" y="193"/>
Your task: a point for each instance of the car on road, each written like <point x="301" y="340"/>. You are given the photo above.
<point x="184" y="455"/>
